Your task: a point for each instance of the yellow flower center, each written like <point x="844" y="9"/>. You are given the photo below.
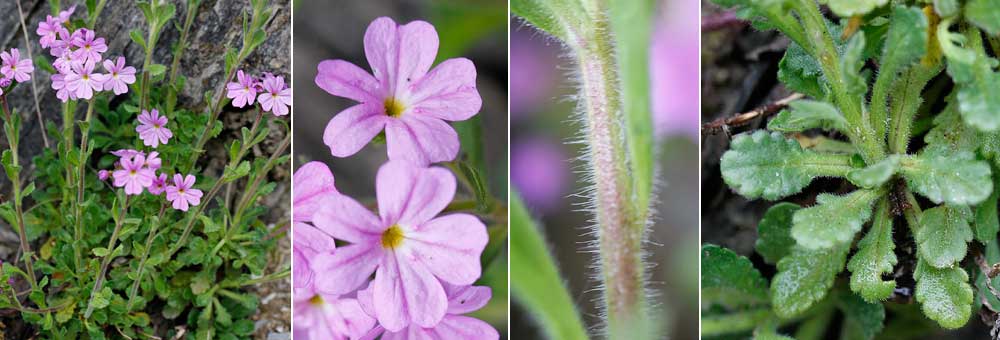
<point x="316" y="300"/>
<point x="392" y="237"/>
<point x="393" y="107"/>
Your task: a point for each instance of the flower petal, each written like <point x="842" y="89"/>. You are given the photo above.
<point x="465" y="299"/>
<point x="343" y="79"/>
<point x="399" y="54"/>
<point x="346" y="269"/>
<point x="420" y="140"/>
<point x="313" y="181"/>
<point x="412" y="195"/>
<point x="448" y="92"/>
<point x="406" y="293"/>
<point x="450" y="247"/>
<point x="351" y="129"/>
<point x="463" y="327"/>
<point x="345" y="219"/>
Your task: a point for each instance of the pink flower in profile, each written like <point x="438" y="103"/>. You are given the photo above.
<point x="461" y="300"/>
<point x="182" y="193"/>
<point x="83" y="81"/>
<point x="119" y="76"/>
<point x="64" y="15"/>
<point x="403" y="98"/>
<point x="153" y="128"/>
<point x="62" y="43"/>
<point x="410" y="250"/>
<point x="123" y="153"/>
<point x="276" y="97"/>
<point x="15" y="67"/>
<point x="159" y="185"/>
<point x="133" y="175"/>
<point x="313" y="183"/>
<point x="153" y="161"/>
<point x="62" y="88"/>
<point x="329" y="317"/>
<point x="88" y="45"/>
<point x="243" y="91"/>
<point x="103" y="175"/>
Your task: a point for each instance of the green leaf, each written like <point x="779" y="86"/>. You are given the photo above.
<point x="875" y="175"/>
<point x="156" y="69"/>
<point x="770" y="166"/>
<point x="862" y="320"/>
<point x="540" y="14"/>
<point x="100" y="251"/>
<point x="800" y="72"/>
<point x="985" y="14"/>
<point x="808" y="114"/>
<point x="849" y="8"/>
<point x="956" y="178"/>
<point x="944" y="294"/>
<point x="946" y="8"/>
<point x="774" y="238"/>
<point x="874" y="258"/>
<point x="850" y="66"/>
<point x="136" y="36"/>
<point x="834" y="219"/>
<point x="540" y="288"/>
<point x="905" y="42"/>
<point x="986" y="223"/>
<point x="730" y="279"/>
<point x="972" y="70"/>
<point x="804" y="278"/>
<point x="943" y="234"/>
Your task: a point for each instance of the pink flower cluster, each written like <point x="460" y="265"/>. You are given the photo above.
<point x="424" y="265"/>
<point x="13" y="68"/>
<point x="405" y="97"/>
<point x="270" y="91"/>
<point x="78" y="54"/>
<point x="136" y="171"/>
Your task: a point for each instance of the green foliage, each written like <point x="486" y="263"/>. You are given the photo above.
<point x="730" y="279"/>
<point x="107" y="265"/>
<point x="871" y="119"/>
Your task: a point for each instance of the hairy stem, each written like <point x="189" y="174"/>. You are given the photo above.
<point x="15" y="179"/>
<point x="250" y="191"/>
<point x="145" y="255"/>
<point x="620" y="231"/>
<point x="81" y="174"/>
<point x="106" y="260"/>
<point x="194" y="217"/>
<point x="906" y="102"/>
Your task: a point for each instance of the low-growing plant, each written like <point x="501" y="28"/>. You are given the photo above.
<point x="912" y="154"/>
<point x="133" y="234"/>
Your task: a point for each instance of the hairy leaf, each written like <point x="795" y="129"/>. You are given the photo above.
<point x="972" y="70"/>
<point x="801" y="73"/>
<point x="805" y="277"/>
<point x="862" y="319"/>
<point x="875" y="175"/>
<point x="943" y="234"/>
<point x="730" y="279"/>
<point x="833" y="220"/>
<point x="986" y="223"/>
<point x="956" y="178"/>
<point x="848" y="8"/>
<point x="944" y="294"/>
<point x="808" y="114"/>
<point x="851" y="63"/>
<point x="770" y="166"/>
<point x="774" y="238"/>
<point x="985" y="14"/>
<point x="874" y="258"/>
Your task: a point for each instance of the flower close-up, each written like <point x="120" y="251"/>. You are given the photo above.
<point x="134" y="176"/>
<point x="182" y="194"/>
<point x="243" y="91"/>
<point x="408" y="246"/>
<point x="14" y="67"/>
<point x="275" y="97"/>
<point x="119" y="75"/>
<point x="405" y="97"/>
<point x="153" y="128"/>
<point x="454" y="325"/>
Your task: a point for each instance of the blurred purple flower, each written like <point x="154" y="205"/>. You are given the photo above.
<point x="531" y="73"/>
<point x="674" y="70"/>
<point x="539" y="171"/>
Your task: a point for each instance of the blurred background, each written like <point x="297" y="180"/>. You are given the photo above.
<point x="543" y="164"/>
<point x="475" y="29"/>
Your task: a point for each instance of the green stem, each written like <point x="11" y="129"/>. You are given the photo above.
<point x="740" y="322"/>
<point x="81" y="174"/>
<point x="270" y="277"/>
<point x="906" y="102"/>
<point x="182" y="43"/>
<point x="92" y="20"/>
<point x="106" y="260"/>
<point x="15" y="179"/>
<point x="194" y="217"/>
<point x="145" y="255"/>
<point x="244" y="201"/>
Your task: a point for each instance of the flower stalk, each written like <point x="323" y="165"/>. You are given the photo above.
<point x="11" y="129"/>
<point x="106" y="259"/>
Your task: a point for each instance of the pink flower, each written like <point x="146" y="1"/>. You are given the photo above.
<point x="48" y="30"/>
<point x="153" y="161"/>
<point x="123" y="153"/>
<point x="119" y="76"/>
<point x="64" y="15"/>
<point x="276" y="97"/>
<point x="88" y="46"/>
<point x="133" y="175"/>
<point x="159" y="185"/>
<point x="65" y="62"/>
<point x="83" y="81"/>
<point x="153" y="128"/>
<point x="103" y="175"/>
<point x="410" y="250"/>
<point x="329" y="317"/>
<point x="15" y="67"/>
<point x="461" y="300"/>
<point x="243" y="91"/>
<point x="403" y="98"/>
<point x="308" y="242"/>
<point x="313" y="183"/>
<point x="62" y="44"/>
<point x="62" y="89"/>
<point x="182" y="193"/>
